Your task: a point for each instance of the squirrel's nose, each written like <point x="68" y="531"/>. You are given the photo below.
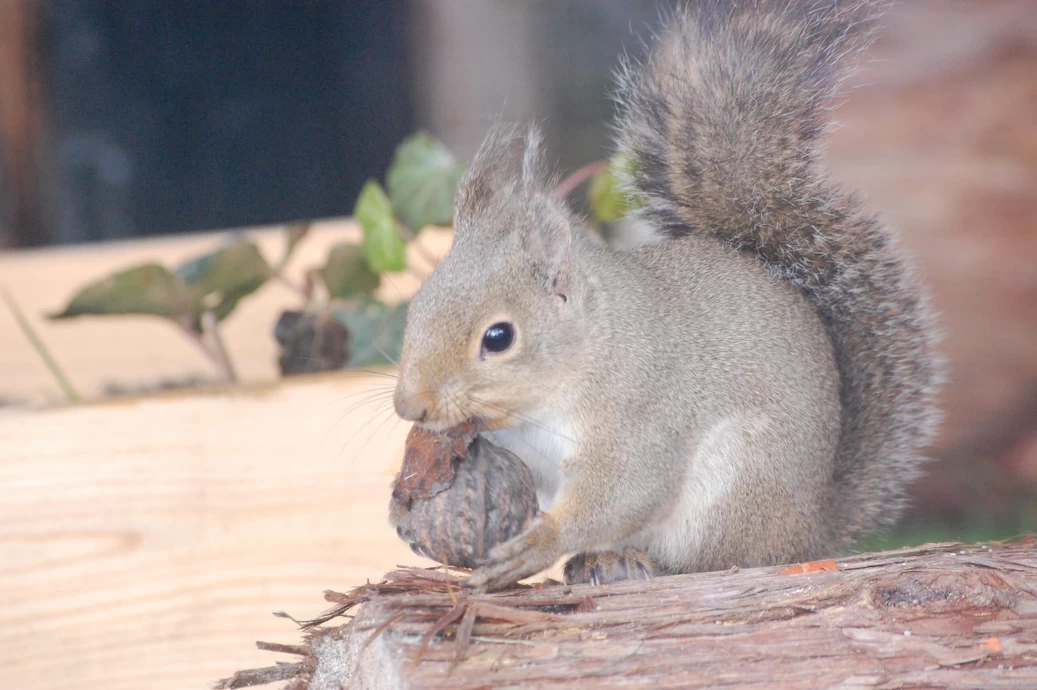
<point x="415" y="415"/>
<point x="413" y="408"/>
<point x="412" y="414"/>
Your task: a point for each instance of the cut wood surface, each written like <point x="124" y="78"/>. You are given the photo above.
<point x="939" y="616"/>
<point x="144" y="542"/>
<point x="139" y="351"/>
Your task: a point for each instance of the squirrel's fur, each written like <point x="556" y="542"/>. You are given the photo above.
<point x="721" y="128"/>
<point x="754" y="388"/>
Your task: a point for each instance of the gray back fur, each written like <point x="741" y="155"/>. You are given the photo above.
<point x="720" y="135"/>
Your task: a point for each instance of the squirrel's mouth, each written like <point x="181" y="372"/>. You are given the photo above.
<point x="480" y="423"/>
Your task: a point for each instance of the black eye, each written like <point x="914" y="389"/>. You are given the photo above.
<point x="498" y="337"/>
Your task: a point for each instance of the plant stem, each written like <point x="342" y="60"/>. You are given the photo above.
<point x="41" y="348"/>
<point x="299" y="228"/>
<point x="196" y="338"/>
<point x="578" y="177"/>
<point x="291" y="285"/>
<point x="212" y="327"/>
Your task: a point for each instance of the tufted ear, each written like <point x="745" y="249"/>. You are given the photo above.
<point x="492" y="175"/>
<point x="549" y="235"/>
<point x="507" y="188"/>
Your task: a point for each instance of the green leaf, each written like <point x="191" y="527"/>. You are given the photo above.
<point x="375" y="332"/>
<point x="294" y="233"/>
<point x="384" y="249"/>
<point x="146" y="289"/>
<point x="422" y="182"/>
<point x="346" y="273"/>
<point x="219" y="280"/>
<point x="608" y="202"/>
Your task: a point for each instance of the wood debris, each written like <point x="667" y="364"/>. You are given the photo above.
<point x="938" y="616"/>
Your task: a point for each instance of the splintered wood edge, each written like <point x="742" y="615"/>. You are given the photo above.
<point x="942" y="615"/>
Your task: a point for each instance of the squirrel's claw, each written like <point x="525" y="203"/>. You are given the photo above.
<point x="607" y="567"/>
<point x="525" y="555"/>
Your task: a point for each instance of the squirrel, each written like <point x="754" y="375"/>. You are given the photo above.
<point x="755" y="385"/>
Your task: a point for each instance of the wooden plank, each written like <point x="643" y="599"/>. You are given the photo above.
<point x="940" y="616"/>
<point x="144" y="543"/>
<point x="143" y="350"/>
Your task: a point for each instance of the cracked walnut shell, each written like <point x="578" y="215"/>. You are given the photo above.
<point x="458" y="495"/>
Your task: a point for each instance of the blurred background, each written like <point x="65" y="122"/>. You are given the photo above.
<point x="147" y="537"/>
<point x="123" y="120"/>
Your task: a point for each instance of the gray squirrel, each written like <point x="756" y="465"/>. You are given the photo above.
<point x="756" y="387"/>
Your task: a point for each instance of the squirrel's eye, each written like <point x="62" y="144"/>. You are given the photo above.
<point x="498" y="338"/>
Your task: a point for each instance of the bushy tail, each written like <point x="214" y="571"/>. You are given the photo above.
<point x="720" y="133"/>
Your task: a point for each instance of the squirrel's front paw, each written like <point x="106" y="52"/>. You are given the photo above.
<point x="606" y="567"/>
<point x="527" y="554"/>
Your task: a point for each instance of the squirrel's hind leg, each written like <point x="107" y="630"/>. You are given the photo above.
<point x="606" y="567"/>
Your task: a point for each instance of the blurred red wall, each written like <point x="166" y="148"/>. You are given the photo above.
<point x="941" y="134"/>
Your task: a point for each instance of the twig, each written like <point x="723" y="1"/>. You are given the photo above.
<point x="578" y="177"/>
<point x="41" y="348"/>
<point x="464" y="636"/>
<point x="291" y="285"/>
<point x="300" y="649"/>
<point x="438" y="627"/>
<point x="196" y="338"/>
<point x="212" y="327"/>
<point x="299" y="227"/>
<point x="261" y="676"/>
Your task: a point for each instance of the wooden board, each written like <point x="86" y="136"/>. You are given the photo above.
<point x="144" y="543"/>
<point x="139" y="351"/>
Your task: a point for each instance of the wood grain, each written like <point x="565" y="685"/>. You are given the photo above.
<point x="141" y="350"/>
<point x="145" y="543"/>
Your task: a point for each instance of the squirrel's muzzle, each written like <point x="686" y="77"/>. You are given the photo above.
<point x="413" y="408"/>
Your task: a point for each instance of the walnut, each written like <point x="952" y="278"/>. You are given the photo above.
<point x="458" y="495"/>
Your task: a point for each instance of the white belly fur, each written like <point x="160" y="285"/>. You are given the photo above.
<point x="548" y="440"/>
<point x="714" y="465"/>
<point x="543" y="443"/>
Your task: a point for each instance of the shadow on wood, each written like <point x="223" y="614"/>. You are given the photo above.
<point x="938" y="616"/>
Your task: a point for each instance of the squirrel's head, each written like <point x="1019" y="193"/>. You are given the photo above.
<point x="500" y="322"/>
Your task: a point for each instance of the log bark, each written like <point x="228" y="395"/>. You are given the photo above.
<point x="937" y="616"/>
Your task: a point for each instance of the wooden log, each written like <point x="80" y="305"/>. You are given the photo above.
<point x="937" y="616"/>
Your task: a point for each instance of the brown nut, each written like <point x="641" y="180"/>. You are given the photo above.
<point x="490" y="499"/>
<point x="428" y="456"/>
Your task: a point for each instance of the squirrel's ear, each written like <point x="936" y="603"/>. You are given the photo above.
<point x="550" y="231"/>
<point x="491" y="173"/>
<point x="549" y="237"/>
